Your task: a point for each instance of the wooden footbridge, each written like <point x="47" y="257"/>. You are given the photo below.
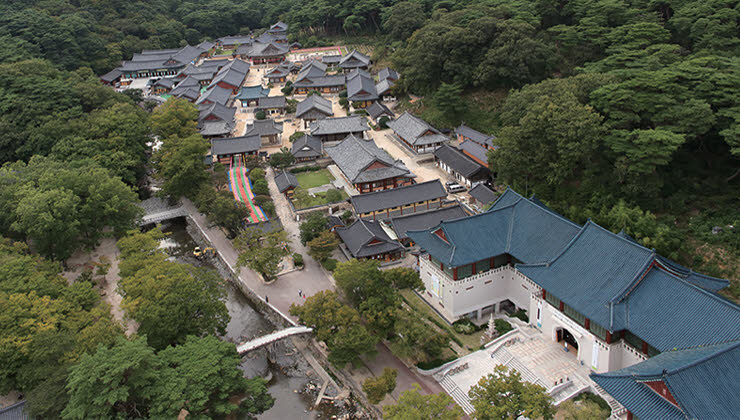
<point x="271" y="338"/>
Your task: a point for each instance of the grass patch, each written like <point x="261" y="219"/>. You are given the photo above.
<point x="301" y="198"/>
<point x="314" y="179"/>
<point x="466" y="341"/>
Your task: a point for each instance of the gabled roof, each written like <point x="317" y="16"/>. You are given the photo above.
<point x="339" y="125"/>
<point x="415" y="130"/>
<point x="519" y="228"/>
<point x="361" y="88"/>
<point x="279" y="26"/>
<point x="190" y="81"/>
<point x="376" y="109"/>
<point x="215" y="94"/>
<point x="285" y="181"/>
<point x="307" y="146"/>
<point x="219" y="111"/>
<point x="360" y="235"/>
<point x="165" y="82"/>
<point x="111" y="75"/>
<point x="474" y="135"/>
<point x="16" y="411"/>
<point x="252" y="92"/>
<point x="475" y="150"/>
<point x="277" y="72"/>
<point x="483" y="194"/>
<point x="353" y="156"/>
<point x="401" y="196"/>
<point x="321" y="81"/>
<point x="236" y="64"/>
<point x="460" y="163"/>
<point x="270" y="49"/>
<point x="234" y="145"/>
<point x="235" y="39"/>
<point x="188" y="92"/>
<point x="331" y="59"/>
<point x="268" y="37"/>
<point x="384" y="86"/>
<point x="315" y="64"/>
<point x="216" y="128"/>
<point x="388" y="73"/>
<point x="425" y="220"/>
<point x="357" y="73"/>
<point x="206" y="45"/>
<point x="354" y="59"/>
<point x="271" y="102"/>
<point x="264" y="128"/>
<point x="699" y="383"/>
<point x="229" y="76"/>
<point x="621" y="285"/>
<point x="314" y="103"/>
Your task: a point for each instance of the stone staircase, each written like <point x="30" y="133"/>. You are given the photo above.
<point x="504" y="357"/>
<point x="617" y="409"/>
<point x="457" y="394"/>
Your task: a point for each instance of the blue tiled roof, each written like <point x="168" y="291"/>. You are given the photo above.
<point x="514" y="225"/>
<point x="621" y="285"/>
<point x="704" y="382"/>
<point x="705" y="282"/>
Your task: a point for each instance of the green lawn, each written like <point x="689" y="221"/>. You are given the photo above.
<point x="301" y="199"/>
<point x="471" y="342"/>
<point x="314" y="178"/>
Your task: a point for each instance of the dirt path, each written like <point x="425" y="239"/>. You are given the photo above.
<point x="108" y="285"/>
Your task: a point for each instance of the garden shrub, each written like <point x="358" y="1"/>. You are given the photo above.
<point x="329" y="264"/>
<point x="502" y="326"/>
<point x="434" y="363"/>
<point x="298" y="260"/>
<point x="521" y="314"/>
<point x="333" y="196"/>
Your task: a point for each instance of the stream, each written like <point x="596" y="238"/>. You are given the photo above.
<point x="291" y="402"/>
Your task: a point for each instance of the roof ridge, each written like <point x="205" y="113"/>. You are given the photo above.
<point x="569" y="244"/>
<point x="636" y="280"/>
<point x="707" y="357"/>
<point x="511" y="225"/>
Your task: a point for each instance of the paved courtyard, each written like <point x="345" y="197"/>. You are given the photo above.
<point x="538" y="359"/>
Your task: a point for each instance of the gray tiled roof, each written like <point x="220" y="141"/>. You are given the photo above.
<point x="354" y="155"/>
<point x="388" y="73"/>
<point x="266" y="50"/>
<point x="229" y="76"/>
<point x="321" y="81"/>
<point x="361" y="88"/>
<point x="239" y="65"/>
<point x="235" y="39"/>
<point x="354" y="59"/>
<point x="271" y="102"/>
<point x="358" y="72"/>
<point x="413" y="129"/>
<point x="216" y="128"/>
<point x="359" y="234"/>
<point x="111" y="75"/>
<point x="223" y="113"/>
<point x="475" y="149"/>
<point x="234" y="145"/>
<point x="188" y="92"/>
<point x="474" y="135"/>
<point x="264" y="128"/>
<point x="165" y="82"/>
<point x="314" y="102"/>
<point x="401" y="196"/>
<point x="215" y="94"/>
<point x="315" y="64"/>
<point x="279" y="27"/>
<point x="307" y="147"/>
<point x="384" y="87"/>
<point x="285" y="180"/>
<point x="277" y="72"/>
<point x="456" y="160"/>
<point x="190" y="81"/>
<point x="425" y="220"/>
<point x="339" y="125"/>
<point x="376" y="109"/>
<point x="482" y="194"/>
<point x="206" y="45"/>
<point x="15" y="411"/>
<point x="331" y="59"/>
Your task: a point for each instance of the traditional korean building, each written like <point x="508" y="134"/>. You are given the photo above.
<point x="216" y="94"/>
<point x="399" y="201"/>
<point x="271" y="105"/>
<point x="361" y="90"/>
<point x="269" y="131"/>
<point x="260" y="53"/>
<point x="354" y="60"/>
<point x="337" y="129"/>
<point x="279" y="28"/>
<point x="331" y="60"/>
<point x="388" y="74"/>
<point x="423" y="220"/>
<point x="249" y="95"/>
<point x="481" y="195"/>
<point x="417" y="134"/>
<point x="464" y="133"/>
<point x="158" y="63"/>
<point x="286" y="183"/>
<point x="656" y="335"/>
<point x="377" y="110"/>
<point x="464" y="169"/>
<point x="365" y="239"/>
<point x="231" y="76"/>
<point x="367" y="167"/>
<point x="163" y="86"/>
<point x="112" y="78"/>
<point x="278" y="74"/>
<point x="227" y="150"/>
<point x="215" y="112"/>
<point x="383" y="89"/>
<point x="474" y="151"/>
<point x="307" y="148"/>
<point x="313" y="108"/>
<point x="233" y="41"/>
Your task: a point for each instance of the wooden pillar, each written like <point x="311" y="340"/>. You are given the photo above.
<point x="587" y="324"/>
<point x="492" y="262"/>
<point x="562" y="306"/>
<point x="608" y="337"/>
<point x="508" y="259"/>
<point x="401" y="209"/>
<point x="442" y="266"/>
<point x="474" y="270"/>
<point x="644" y="347"/>
<point x="454" y="273"/>
<point x="430" y="256"/>
<point x="544" y="293"/>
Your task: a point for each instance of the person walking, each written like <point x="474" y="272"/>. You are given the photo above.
<point x="267" y="299"/>
<point x="300" y="293"/>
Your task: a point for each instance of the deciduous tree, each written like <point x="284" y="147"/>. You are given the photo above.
<point x="412" y="405"/>
<point x="261" y="252"/>
<point x="376" y="388"/>
<point x="321" y="247"/>
<point x="504" y="395"/>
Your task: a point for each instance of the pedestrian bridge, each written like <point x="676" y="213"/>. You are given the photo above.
<point x="157" y="211"/>
<point x="271" y="338"/>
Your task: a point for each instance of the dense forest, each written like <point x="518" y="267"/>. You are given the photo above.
<point x="622" y="111"/>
